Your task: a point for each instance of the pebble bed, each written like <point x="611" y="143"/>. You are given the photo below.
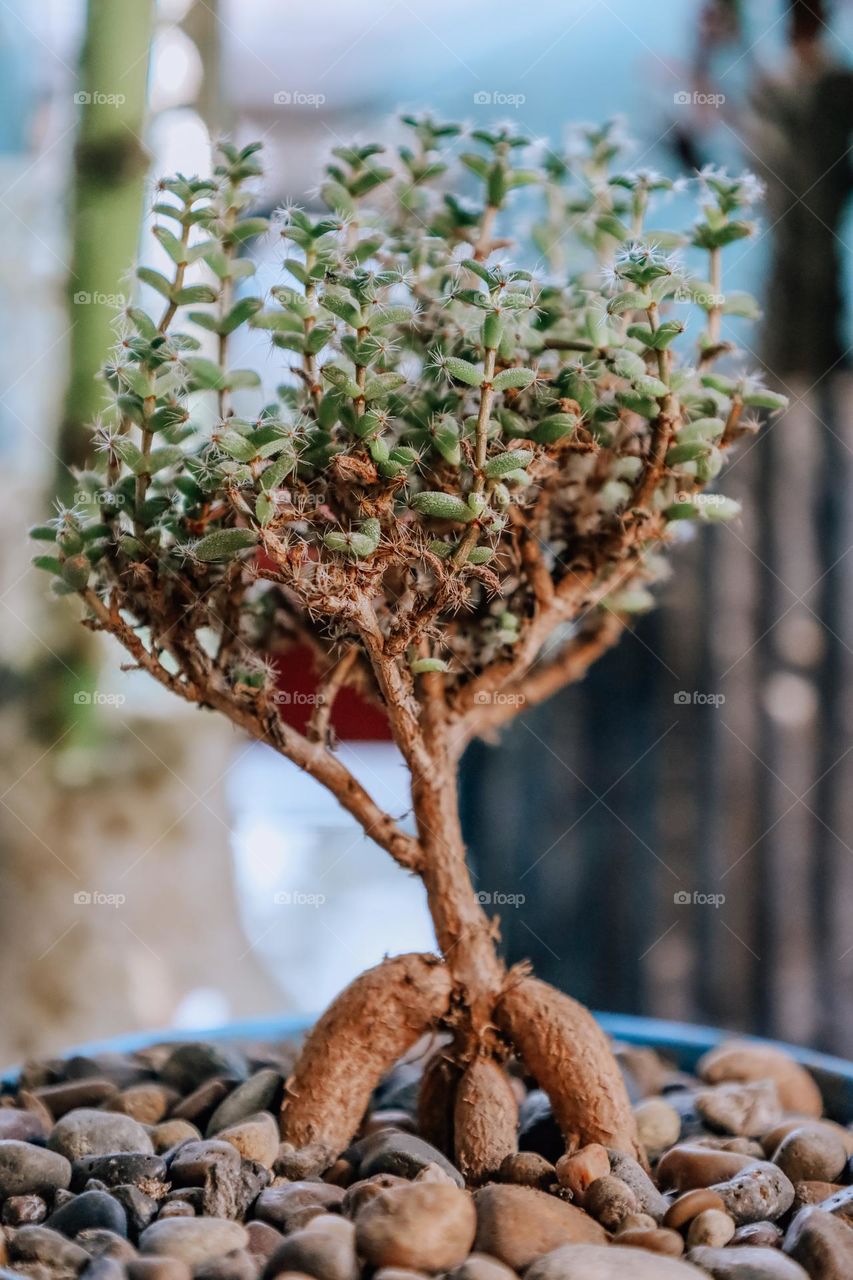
<point x="166" y="1164"/>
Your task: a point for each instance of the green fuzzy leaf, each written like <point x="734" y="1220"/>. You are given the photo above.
<point x="205" y="374"/>
<point x="155" y="279"/>
<point x="503" y="463"/>
<point x="49" y="563"/>
<point x="264" y="509"/>
<point x="686" y="452"/>
<point x="192" y="294"/>
<point x="42" y="533"/>
<point x="442" y="506"/>
<point x="464" y="371"/>
<point x="176" y="251"/>
<point x="518" y="378"/>
<point x="423" y="666"/>
<point x="765" y="400"/>
<point x="553" y="428"/>
<point x="480" y="555"/>
<point x="224" y="544"/>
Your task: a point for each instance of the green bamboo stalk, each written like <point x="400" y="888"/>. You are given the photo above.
<point x="111" y="163"/>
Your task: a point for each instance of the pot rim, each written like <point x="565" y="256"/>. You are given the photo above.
<point x="685" y="1042"/>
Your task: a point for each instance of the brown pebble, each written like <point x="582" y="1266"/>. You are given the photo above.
<point x="518" y="1224"/>
<point x="256" y="1138"/>
<point x="811" y="1153"/>
<point x="712" y="1228"/>
<point x="200" y="1105"/>
<point x="263" y="1239"/>
<point x="528" y="1169"/>
<point x="609" y="1200"/>
<point x="578" y="1171"/>
<point x="147" y="1103"/>
<point x="687" y="1166"/>
<point x="686" y="1207"/>
<point x="158" y="1269"/>
<point x="764" y="1235"/>
<point x="812" y="1192"/>
<point x="389" y="1119"/>
<point x="656" y="1240"/>
<point x="176" y="1209"/>
<point x="62" y="1098"/>
<point x="23" y="1126"/>
<point x="359" y="1193"/>
<point x="745" y="1110"/>
<point x="430" y="1226"/>
<point x="19" y="1210"/>
<point x="171" y="1133"/>
<point x="743" y="1060"/>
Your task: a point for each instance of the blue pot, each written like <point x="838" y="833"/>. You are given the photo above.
<point x="682" y="1042"/>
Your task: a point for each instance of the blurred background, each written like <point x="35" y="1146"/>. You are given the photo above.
<point x="673" y="837"/>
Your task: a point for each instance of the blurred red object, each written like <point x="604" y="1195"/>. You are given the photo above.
<point x="353" y="719"/>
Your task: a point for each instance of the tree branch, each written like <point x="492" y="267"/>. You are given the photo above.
<point x="265" y="725"/>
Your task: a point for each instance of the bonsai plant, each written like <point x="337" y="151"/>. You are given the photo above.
<point x="458" y="497"/>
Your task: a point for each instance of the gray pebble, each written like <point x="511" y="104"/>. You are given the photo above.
<point x="25" y="1168"/>
<point x="118" y="1168"/>
<point x="746" y="1263"/>
<point x="192" y="1240"/>
<point x="759" y="1192"/>
<point x="392" y="1151"/>
<point x="634" y="1175"/>
<point x="261" y="1092"/>
<point x="97" y="1133"/>
<point x="190" y="1065"/>
<point x="90" y="1209"/>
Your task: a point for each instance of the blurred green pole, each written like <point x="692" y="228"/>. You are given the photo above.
<point x="109" y="184"/>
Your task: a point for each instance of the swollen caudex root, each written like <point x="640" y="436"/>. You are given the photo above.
<point x="485" y="1120"/>
<point x="436" y="1095"/>
<point x="568" y="1054"/>
<point x="371" y="1024"/>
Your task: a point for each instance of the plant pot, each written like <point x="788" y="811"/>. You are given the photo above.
<point x="682" y="1042"/>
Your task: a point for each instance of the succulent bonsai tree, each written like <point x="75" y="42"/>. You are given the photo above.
<point x="458" y="496"/>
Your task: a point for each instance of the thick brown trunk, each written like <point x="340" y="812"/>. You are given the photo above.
<point x="466" y="936"/>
